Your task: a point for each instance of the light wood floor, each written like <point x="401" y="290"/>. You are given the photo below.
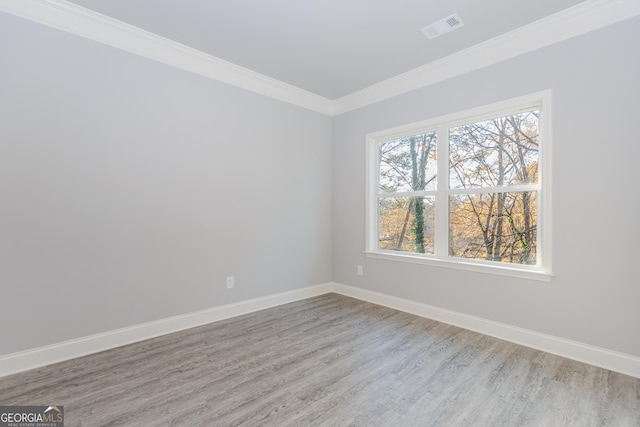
<point x="328" y="361"/>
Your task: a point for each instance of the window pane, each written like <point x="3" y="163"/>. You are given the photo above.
<point x="495" y="153"/>
<point x="408" y="163"/>
<point x="406" y="224"/>
<point x="497" y="227"/>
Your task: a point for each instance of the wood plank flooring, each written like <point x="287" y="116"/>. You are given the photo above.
<point x="328" y="361"/>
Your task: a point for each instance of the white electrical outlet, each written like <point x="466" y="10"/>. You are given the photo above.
<point x="360" y="270"/>
<point x="230" y="282"/>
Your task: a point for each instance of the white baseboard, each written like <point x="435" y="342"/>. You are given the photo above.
<point x="597" y="356"/>
<point x="42" y="356"/>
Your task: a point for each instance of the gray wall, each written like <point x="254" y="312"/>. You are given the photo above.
<point x="595" y="295"/>
<point x="130" y="189"/>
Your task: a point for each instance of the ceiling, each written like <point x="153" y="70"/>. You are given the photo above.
<point x="331" y="48"/>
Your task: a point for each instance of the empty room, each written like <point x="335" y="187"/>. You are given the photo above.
<point x="319" y="213"/>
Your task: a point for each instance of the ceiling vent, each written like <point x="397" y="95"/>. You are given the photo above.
<point x="443" y="26"/>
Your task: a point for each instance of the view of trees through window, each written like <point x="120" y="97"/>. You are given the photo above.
<point x="491" y="190"/>
<point x="408" y="165"/>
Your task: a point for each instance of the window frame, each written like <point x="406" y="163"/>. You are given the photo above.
<point x="542" y="270"/>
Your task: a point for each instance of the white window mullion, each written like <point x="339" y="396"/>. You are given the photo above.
<point x="488" y="190"/>
<point x="409" y="194"/>
<point x="442" y="197"/>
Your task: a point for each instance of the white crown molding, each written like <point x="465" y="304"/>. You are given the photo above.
<point x="66" y="16"/>
<point x="75" y="19"/>
<point x="580" y="19"/>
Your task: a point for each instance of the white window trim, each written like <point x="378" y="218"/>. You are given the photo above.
<point x="542" y="271"/>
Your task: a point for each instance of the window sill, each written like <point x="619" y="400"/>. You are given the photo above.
<point x="521" y="273"/>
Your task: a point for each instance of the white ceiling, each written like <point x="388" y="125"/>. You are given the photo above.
<point x="331" y="48"/>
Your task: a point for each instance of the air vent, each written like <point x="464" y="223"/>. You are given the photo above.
<point x="443" y="26"/>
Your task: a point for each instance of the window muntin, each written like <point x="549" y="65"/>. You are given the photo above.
<point x="477" y="183"/>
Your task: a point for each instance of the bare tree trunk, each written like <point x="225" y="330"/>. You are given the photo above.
<point x="499" y="218"/>
<point x="418" y="176"/>
<point x="526" y="236"/>
<point x="404" y="225"/>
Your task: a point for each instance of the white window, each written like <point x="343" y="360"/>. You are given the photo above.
<point x="469" y="190"/>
